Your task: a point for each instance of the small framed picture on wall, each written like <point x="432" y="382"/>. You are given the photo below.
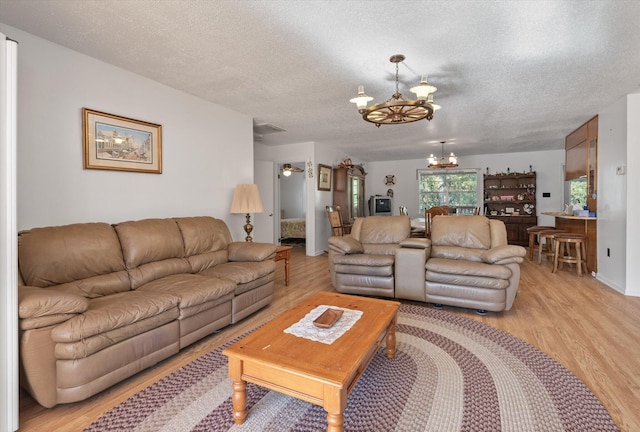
<point x="324" y="177"/>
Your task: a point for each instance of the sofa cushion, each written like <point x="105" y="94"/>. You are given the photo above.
<point x="247" y="251"/>
<point x="256" y="283"/>
<point x="204" y="261"/>
<point x="384" y="229"/>
<point x="364" y="270"/>
<point x="381" y="249"/>
<point x="114" y="311"/>
<point x="58" y="255"/>
<point x="149" y="241"/>
<point x="467" y="268"/>
<point x="203" y="234"/>
<point x="87" y="346"/>
<point x="368" y="260"/>
<point x="241" y="272"/>
<point x="193" y="290"/>
<point x="152" y="249"/>
<point x="456" y="252"/>
<point x="465" y="281"/>
<point x="464" y="231"/>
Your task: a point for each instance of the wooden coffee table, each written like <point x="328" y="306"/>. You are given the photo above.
<point x="312" y="371"/>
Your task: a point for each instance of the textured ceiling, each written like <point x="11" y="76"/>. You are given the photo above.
<point x="511" y="75"/>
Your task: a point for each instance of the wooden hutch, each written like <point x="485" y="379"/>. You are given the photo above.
<point x="348" y="191"/>
<point x="511" y="198"/>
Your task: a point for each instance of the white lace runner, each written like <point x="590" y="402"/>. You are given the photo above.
<point x="305" y="328"/>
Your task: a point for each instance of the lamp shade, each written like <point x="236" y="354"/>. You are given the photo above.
<point x="246" y="199"/>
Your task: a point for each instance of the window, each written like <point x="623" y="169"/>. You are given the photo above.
<point x="453" y="188"/>
<point x="578" y="191"/>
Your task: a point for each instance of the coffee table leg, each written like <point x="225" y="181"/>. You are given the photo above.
<point x="391" y="339"/>
<point x="239" y="400"/>
<point x="335" y="401"/>
<point x="334" y="422"/>
<point x="239" y="396"/>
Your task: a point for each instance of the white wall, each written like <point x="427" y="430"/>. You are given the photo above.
<point x="55" y="83"/>
<point x="612" y="194"/>
<point x="618" y="201"/>
<point x="547" y="164"/>
<point x="327" y="156"/>
<point x="633" y="200"/>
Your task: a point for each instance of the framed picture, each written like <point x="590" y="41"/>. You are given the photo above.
<point x="118" y="143"/>
<point x="324" y="177"/>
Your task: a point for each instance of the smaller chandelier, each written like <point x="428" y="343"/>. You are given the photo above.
<point x="287" y="169"/>
<point x="398" y="110"/>
<point x="443" y="162"/>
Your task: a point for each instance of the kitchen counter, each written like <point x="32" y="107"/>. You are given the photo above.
<point x="580" y="224"/>
<point x="566" y="216"/>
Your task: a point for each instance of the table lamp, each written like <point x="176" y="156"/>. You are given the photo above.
<point x="246" y="199"/>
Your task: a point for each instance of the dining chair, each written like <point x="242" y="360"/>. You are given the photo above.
<point x="339" y="227"/>
<point x="429" y="214"/>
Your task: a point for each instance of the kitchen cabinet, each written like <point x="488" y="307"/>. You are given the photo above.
<point x="511" y="198"/>
<point x="581" y="158"/>
<point x="582" y="225"/>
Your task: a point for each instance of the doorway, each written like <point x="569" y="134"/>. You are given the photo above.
<point x="292" y="201"/>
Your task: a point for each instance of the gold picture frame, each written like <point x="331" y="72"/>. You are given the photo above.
<point x="113" y="142"/>
<point x="324" y="177"/>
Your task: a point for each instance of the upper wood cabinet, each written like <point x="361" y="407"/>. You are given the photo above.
<point x="581" y="157"/>
<point x="576" y="147"/>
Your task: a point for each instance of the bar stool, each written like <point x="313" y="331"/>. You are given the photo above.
<point x="548" y="249"/>
<point x="566" y="240"/>
<point x="533" y="235"/>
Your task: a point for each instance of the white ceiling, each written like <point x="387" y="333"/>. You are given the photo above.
<point x="511" y="75"/>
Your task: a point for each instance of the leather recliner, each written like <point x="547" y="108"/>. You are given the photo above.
<point x="466" y="263"/>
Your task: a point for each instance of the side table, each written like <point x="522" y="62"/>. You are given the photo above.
<point x="284" y="253"/>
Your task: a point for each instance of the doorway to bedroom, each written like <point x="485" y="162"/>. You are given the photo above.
<point x="293" y="198"/>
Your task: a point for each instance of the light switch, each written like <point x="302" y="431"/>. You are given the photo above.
<point x="621" y="170"/>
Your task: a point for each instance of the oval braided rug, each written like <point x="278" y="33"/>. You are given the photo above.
<point x="450" y="373"/>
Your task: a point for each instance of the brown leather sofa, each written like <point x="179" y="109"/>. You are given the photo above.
<point x="466" y="263"/>
<point x="99" y="303"/>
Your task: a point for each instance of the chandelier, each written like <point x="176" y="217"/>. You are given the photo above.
<point x="398" y="110"/>
<point x="450" y="162"/>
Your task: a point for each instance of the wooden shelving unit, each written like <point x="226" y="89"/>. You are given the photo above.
<point x="511" y="198"/>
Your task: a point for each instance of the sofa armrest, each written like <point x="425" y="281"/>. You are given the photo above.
<point x="345" y="245"/>
<point x="248" y="251"/>
<point x="416" y="243"/>
<point x="504" y="254"/>
<point x="34" y="302"/>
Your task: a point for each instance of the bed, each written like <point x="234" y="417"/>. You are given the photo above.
<point x="293" y="228"/>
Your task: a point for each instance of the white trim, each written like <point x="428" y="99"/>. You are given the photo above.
<point x="8" y="237"/>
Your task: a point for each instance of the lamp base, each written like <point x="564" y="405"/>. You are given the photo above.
<point x="248" y="228"/>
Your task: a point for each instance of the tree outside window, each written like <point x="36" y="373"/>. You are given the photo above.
<point x="578" y="191"/>
<point x="457" y="189"/>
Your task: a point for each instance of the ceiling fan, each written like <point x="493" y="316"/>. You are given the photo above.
<point x="287" y="169"/>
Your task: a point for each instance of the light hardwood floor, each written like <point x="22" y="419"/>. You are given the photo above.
<point x="586" y="326"/>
